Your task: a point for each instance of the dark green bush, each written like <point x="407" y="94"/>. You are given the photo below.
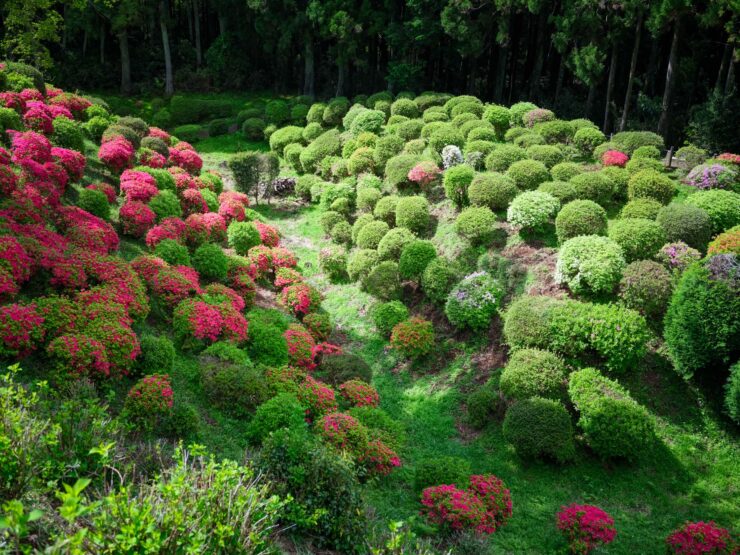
<point x="456" y="181"/>
<point x="226" y="351"/>
<point x="157" y="355"/>
<point x="219" y="126"/>
<point x="475" y="223"/>
<point x="277" y="111"/>
<point x="639" y="238"/>
<point x="282" y="411"/>
<point x="540" y="428"/>
<point x="580" y="217"/>
<point x="68" y="134"/>
<point x="415" y="257"/>
<point x="246" y="167"/>
<point x="397" y="169"/>
<point x="172" y="252"/>
<point x="383" y="281"/>
<point x="326" y="144"/>
<point x="370" y="235"/>
<point x="732" y="393"/>
<point x="593" y="186"/>
<point x="483" y="404"/>
<point x="210" y="262"/>
<point x="329" y="219"/>
<point x="156" y="144"/>
<point x="564" y="171"/>
<point x="413" y="213"/>
<point x="435" y="471"/>
<point x="341" y="233"/>
<point x="644" y="208"/>
<point x="335" y="111"/>
<point x="534" y="373"/>
<point x="687" y="223"/>
<point x="266" y="344"/>
<point x="95" y="202"/>
<point x="564" y="191"/>
<point x="651" y="184"/>
<point x="646" y="286"/>
<point x="190" y="132"/>
<point x="629" y="141"/>
<point x="499" y="117"/>
<point x="386" y="315"/>
<point x="393" y="243"/>
<point x="438" y="280"/>
<point x="165" y="204"/>
<point x="528" y="174"/>
<point x="547" y="154"/>
<point x="337" y="369"/>
<point x="235" y="389"/>
<point x="386" y="147"/>
<point x="242" y="236"/>
<point x="493" y="190"/>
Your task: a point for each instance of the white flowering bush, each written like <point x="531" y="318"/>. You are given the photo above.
<point x="532" y="209"/>
<point x="590" y="264"/>
<point x="474" y="301"/>
<point x="451" y="156"/>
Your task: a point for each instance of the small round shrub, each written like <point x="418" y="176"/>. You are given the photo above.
<point x="393" y="243"/>
<point x="386" y="315"/>
<point x="157" y="354"/>
<point x="639" y="239"/>
<point x="415" y="257"/>
<point x="641" y="164"/>
<point x="629" y="141"/>
<point x="565" y="171"/>
<point x="687" y="223"/>
<point x="254" y="129"/>
<point x="517" y="112"/>
<point x="556" y="131"/>
<point x="585" y="527"/>
<point x="646" y="151"/>
<point x="692" y="155"/>
<point x="172" y="252"/>
<point x="361" y="262"/>
<point x="593" y="186"/>
<point x="210" y="262"/>
<point x="580" y="217"/>
<point x="383" y="281"/>
<point x="498" y="116"/>
<point x="651" y="184"/>
<point x="405" y="107"/>
<point x="492" y="190"/>
<point x="475" y="223"/>
<point x="340" y="368"/>
<point x="95" y="202"/>
<point x="474" y="301"/>
<point x="335" y="111"/>
<point x="370" y="235"/>
<point x="433" y="471"/>
<point x="483" y="404"/>
<point x="456" y="181"/>
<point x="329" y="219"/>
<point x="620" y="180"/>
<point x="540" y="428"/>
<point x="722" y="206"/>
<point x="282" y="411"/>
<point x="504" y="156"/>
<point x="367" y="121"/>
<point x="333" y="262"/>
<point x="341" y="233"/>
<point x="528" y="174"/>
<point x="149" y="400"/>
<point x="696" y="538"/>
<point x="482" y="133"/>
<point x="367" y="199"/>
<point x="587" y="139"/>
<point x="547" y="154"/>
<point x="165" y="204"/>
<point x="438" y="280"/>
<point x="68" y="134"/>
<point x="341" y="205"/>
<point x="646" y="286"/>
<point x="564" y="191"/>
<point x="645" y="208"/>
<point x="590" y="264"/>
<point x="413" y="213"/>
<point x="534" y="373"/>
<point x="529" y="139"/>
<point x="532" y="209"/>
<point x="726" y="243"/>
<point x="242" y="236"/>
<point x="226" y="351"/>
<point x="385" y="209"/>
<point x="235" y="389"/>
<point x="413" y="338"/>
<point x="266" y="344"/>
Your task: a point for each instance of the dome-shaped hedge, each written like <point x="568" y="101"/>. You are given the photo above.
<point x="580" y="217"/>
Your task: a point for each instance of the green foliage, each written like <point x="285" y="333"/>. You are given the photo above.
<point x="646" y="286"/>
<point x="191" y="132"/>
<point x="210" y="262"/>
<point x="283" y="411"/>
<point x="95" y="202"/>
<point x="326" y="144"/>
<point x="68" y="134"/>
<point x="360" y="262"/>
<point x="517" y="112"/>
<point x="476" y="223"/>
<point x="285" y="136"/>
<point x="415" y="257"/>
<point x="157" y="355"/>
<point x="647" y="151"/>
<point x="580" y="217"/>
<point x="532" y="209"/>
<point x="547" y="154"/>
<point x="246" y="168"/>
<point x="492" y="190"/>
<point x="434" y="471"/>
<point x="555" y="131"/>
<point x="590" y="265"/>
<point x="371" y="233"/>
<point x="639" y="238"/>
<point x="456" y="181"/>
<point x="383" y="281"/>
<point x="393" y="243"/>
<point x="639" y="164"/>
<point x="732" y="393"/>
<point x="397" y="169"/>
<point x="722" y="206"/>
<point x="340" y="368"/>
<point x="446" y="134"/>
<point x="587" y="139"/>
<point x="534" y="373"/>
<point x="540" y="428"/>
<point x="165" y="204"/>
<point x="528" y="174"/>
<point x="614" y="424"/>
<point x="629" y="141"/>
<point x="227" y="351"/>
<point x="242" y="236"/>
<point x="438" y="280"/>
<point x="702" y="325"/>
<point x="233" y="388"/>
<point x="277" y="111"/>
<point x="333" y="261"/>
<point x="687" y="223"/>
<point x="619" y="178"/>
<point x="329" y="219"/>
<point x="413" y="213"/>
<point x="474" y="301"/>
<point x="386" y="315"/>
<point x="499" y="117"/>
<point x="565" y="171"/>
<point x="266" y="344"/>
<point x="564" y="191"/>
<point x="644" y="208"/>
<point x="483" y="404"/>
<point x="651" y="184"/>
<point x="367" y="199"/>
<point x="172" y="252"/>
<point x="386" y="147"/>
<point x="593" y="186"/>
<point x="335" y="111"/>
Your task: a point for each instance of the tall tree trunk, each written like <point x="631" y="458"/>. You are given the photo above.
<point x="631" y="78"/>
<point x="309" y="76"/>
<point x="610" y="88"/>
<point x="560" y="78"/>
<point x="670" y="81"/>
<point x="222" y="19"/>
<point x="125" y="62"/>
<point x="652" y="70"/>
<point x="498" y="91"/>
<point x="590" y="101"/>
<point x="102" y="42"/>
<point x="719" y="84"/>
<point x="196" y="23"/>
<point x="84" y="42"/>
<point x="534" y="77"/>
<point x="169" y="85"/>
<point x="730" y="83"/>
<point x="341" y="73"/>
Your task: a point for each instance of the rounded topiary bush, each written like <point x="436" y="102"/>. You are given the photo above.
<point x="361" y="262"/>
<point x="646" y="286"/>
<point x="534" y="373"/>
<point x="413" y="338"/>
<point x="383" y="281"/>
<point x="172" y="252"/>
<point x="393" y="243"/>
<point x="532" y="209"/>
<point x="504" y="156"/>
<point x="438" y="280"/>
<point x="565" y="171"/>
<point x="580" y="217"/>
<point x="242" y="236"/>
<point x="285" y="136"/>
<point x="340" y="368"/>
<point x="456" y="181"/>
<point x="561" y="190"/>
<point x="234" y="388"/>
<point x="415" y="257"/>
<point x="333" y="262"/>
<point x="329" y="219"/>
<point x="386" y="315"/>
<point x="367" y="199"/>
<point x="266" y="344"/>
<point x="651" y="184"/>
<point x="475" y="223"/>
<point x="556" y="131"/>
<point x="587" y="139"/>
<point x="282" y="411"/>
<point x="254" y="129"/>
<point x="646" y="208"/>
<point x="165" y="204"/>
<point x="687" y="223"/>
<point x="540" y="428"/>
<point x="590" y="265"/>
<point x="370" y="235"/>
<point x="620" y="180"/>
<point x="528" y="174"/>
<point x="493" y="190"/>
<point x="95" y="202"/>
<point x="722" y="206"/>
<point x="639" y="239"/>
<point x="385" y="209"/>
<point x="210" y="262"/>
<point x="547" y="154"/>
<point x="367" y="121"/>
<point x="640" y="164"/>
<point x="413" y="213"/>
<point x="474" y="301"/>
<point x="157" y="354"/>
<point x="593" y="186"/>
<point x="405" y="107"/>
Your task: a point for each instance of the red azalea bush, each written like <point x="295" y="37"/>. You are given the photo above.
<point x="729" y="157"/>
<point x="151" y="397"/>
<point x="8" y="287"/>
<point x="261" y="258"/>
<point x="117" y="154"/>
<point x="138" y="185"/>
<point x="151" y="159"/>
<point x="121" y="343"/>
<point x="21" y="329"/>
<point x="286" y="276"/>
<point x="197" y="322"/>
<point x="218" y="290"/>
<point x="697" y="538"/>
<point x="29" y="145"/>
<point x="585" y="527"/>
<point x="325" y="349"/>
<point x="160" y="134"/>
<point x="614" y="158"/>
<point x="269" y="235"/>
<point x="318" y="397"/>
<point x="317" y="323"/>
<point x="379" y="459"/>
<point x="189" y="160"/>
<point x="241" y="282"/>
<point x="172" y="285"/>
<point x="424" y="173"/>
<point x="147" y="267"/>
<point x="413" y="337"/>
<point x="192" y="202"/>
<point x="343" y="432"/>
<point x="136" y="218"/>
<point x="105" y="188"/>
<point x="359" y="393"/>
<point x="79" y="355"/>
<point x="283" y="258"/>
<point x="494" y="494"/>
<point x="73" y="162"/>
<point x="300" y="299"/>
<point x="169" y="228"/>
<point x="87" y="231"/>
<point x="8" y="180"/>
<point x="300" y="347"/>
<point x="76" y="104"/>
<point x="15" y="258"/>
<point x="60" y="314"/>
<point x="38" y="118"/>
<point x="67" y="273"/>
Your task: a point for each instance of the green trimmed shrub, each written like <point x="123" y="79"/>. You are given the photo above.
<point x="647" y="151"/>
<point x="515" y="132"/>
<point x="246" y="167"/>
<point x="456" y="181"/>
<point x="172" y="252"/>
<point x="385" y="209"/>
<point x="242" y="236"/>
<point x="590" y="265"/>
<point x="367" y="199"/>
<point x="651" y="184"/>
<point x="498" y="116"/>
<point x="528" y="174"/>
<point x="593" y="186"/>
<point x="95" y="202"/>
<point x="165" y="204"/>
<point x="587" y="139"/>
<point x="493" y="190"/>
<point x="298" y="113"/>
<point x="329" y="219"/>
<point x="277" y="111"/>
<point x="646" y="208"/>
<point x="540" y="428"/>
<point x="361" y="262"/>
<point x="532" y="209"/>
<point x="285" y="136"/>
<point x="415" y="257"/>
<point x="341" y="232"/>
<point x="312" y="131"/>
<point x="413" y="213"/>
<point x="157" y="355"/>
<point x="281" y="412"/>
<point x="338" y="369"/>
<point x="405" y="107"/>
<point x="434" y="471"/>
<point x="359" y="224"/>
<point x="687" y="223"/>
<point x="409" y="130"/>
<point x="94" y="127"/>
<point x="619" y="178"/>
<point x="165" y="180"/>
<point x="474" y="301"/>
<point x="191" y="132"/>
<point x="68" y="134"/>
<point x="393" y="243"/>
<point x="547" y="154"/>
<point x="305" y="183"/>
<point x="556" y="131"/>
<point x="219" y="126"/>
<point x="639" y="239"/>
<point x="383" y="281"/>
<point x="266" y="344"/>
<point x="629" y="141"/>
<point x="580" y="217"/>
<point x="370" y="235"/>
<point x="361" y="161"/>
<point x="210" y="262"/>
<point x="534" y="373"/>
<point x="156" y="144"/>
<point x="475" y="223"/>
<point x="326" y="144"/>
<point x="367" y="121"/>
<point x="386" y="315"/>
<point x="397" y="170"/>
<point x="386" y="147"/>
<point x="292" y="155"/>
<point x="316" y="113"/>
<point x="335" y="111"/>
<point x="639" y="164"/>
<point x="565" y="171"/>
<point x="722" y="206"/>
<point x="254" y="129"/>
<point x="333" y="262"/>
<point x="561" y="190"/>
<point x="227" y="351"/>
<point x="614" y="424"/>
<point x="646" y="287"/>
<point x="504" y="156"/>
<point x="482" y="133"/>
<point x="483" y="405"/>
<point x="529" y="139"/>
<point x="235" y="389"/>
<point x="517" y="112"/>
<point x="446" y="134"/>
<point x="438" y="280"/>
<point x="702" y="324"/>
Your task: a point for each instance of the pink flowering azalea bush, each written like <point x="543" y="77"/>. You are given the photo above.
<point x="150" y="399"/>
<point x="318" y="398"/>
<point x="585" y="527"/>
<point x="300" y="346"/>
<point x="424" y="173"/>
<point x="378" y="459"/>
<point x="300" y="298"/>
<point x="21" y="329"/>
<point x="699" y="538"/>
<point x="136" y="218"/>
<point x="359" y="394"/>
<point x="117" y="154"/>
<point x="198" y="322"/>
<point x="343" y="432"/>
<point x="614" y="158"/>
<point x="77" y="355"/>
